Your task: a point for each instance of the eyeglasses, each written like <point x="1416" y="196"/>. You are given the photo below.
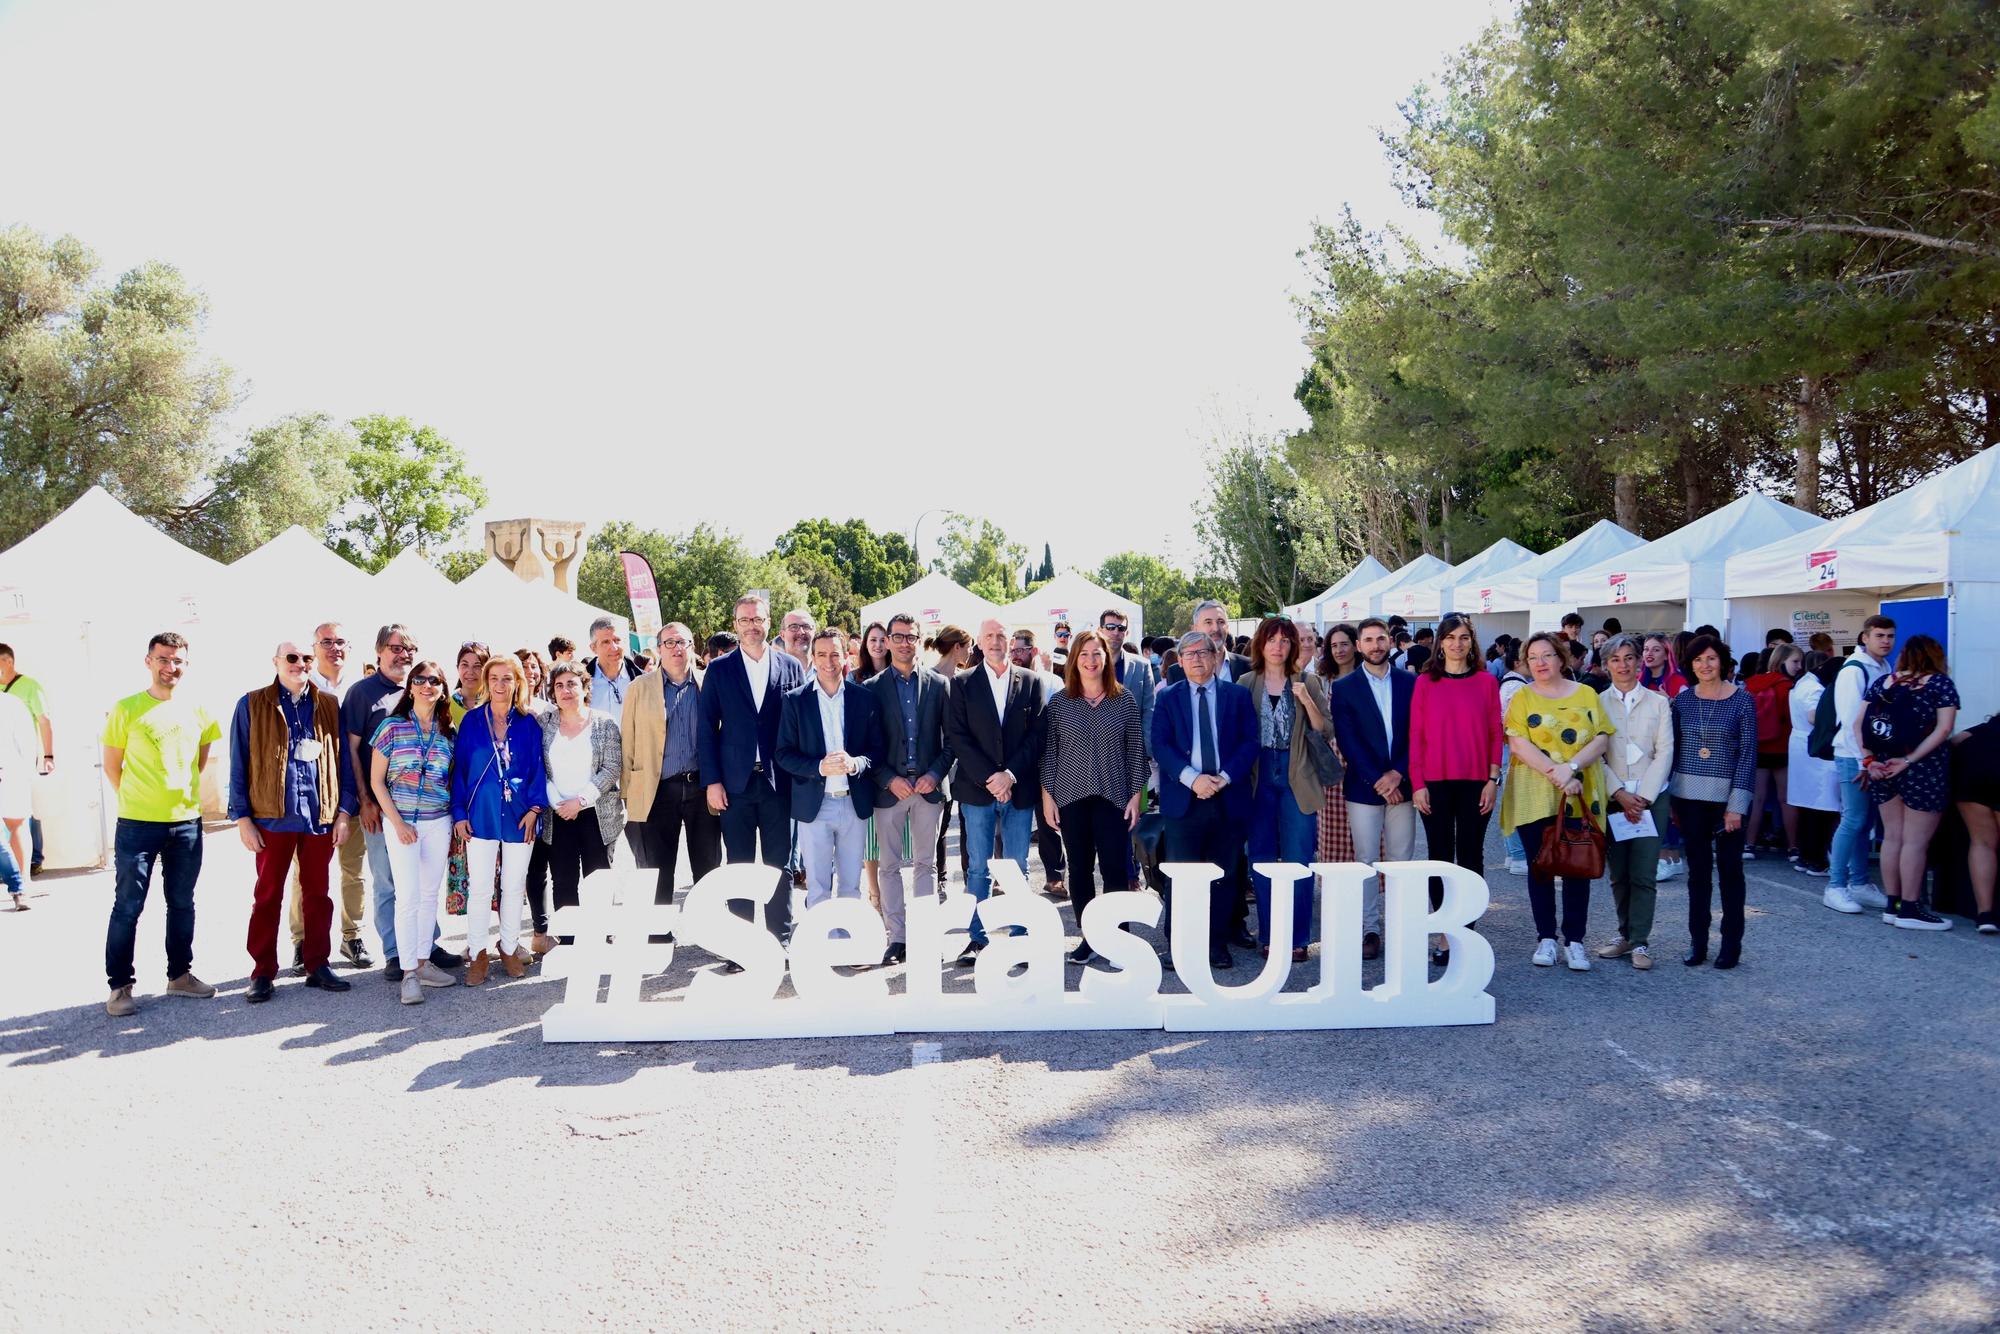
<point x="404" y="650"/>
<point x="674" y="643"/>
<point x="902" y="638"/>
<point x="435" y="682"/>
<point x="334" y="643"/>
<point x="1114" y="628"/>
<point x="294" y="659"/>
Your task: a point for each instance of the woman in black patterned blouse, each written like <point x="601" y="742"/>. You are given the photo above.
<point x="1093" y="772"/>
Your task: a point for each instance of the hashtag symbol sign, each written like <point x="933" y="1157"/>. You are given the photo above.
<point x="611" y="925"/>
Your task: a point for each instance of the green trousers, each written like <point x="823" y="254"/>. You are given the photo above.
<point x="1633" y="867"/>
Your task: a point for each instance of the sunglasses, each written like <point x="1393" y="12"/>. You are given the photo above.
<point x="294" y="659"/>
<point x="427" y="680"/>
<point x="1114" y="629"/>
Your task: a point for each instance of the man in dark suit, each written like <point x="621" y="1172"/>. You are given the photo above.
<point x="1205" y="742"/>
<point x="743" y="699"/>
<point x="909" y="792"/>
<point x="994" y="729"/>
<point x="830" y="743"/>
<point x="1212" y="619"/>
<point x="1371" y="721"/>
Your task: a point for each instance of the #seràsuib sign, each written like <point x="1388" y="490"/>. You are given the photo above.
<point x="1018" y="980"/>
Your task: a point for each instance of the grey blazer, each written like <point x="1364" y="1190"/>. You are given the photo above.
<point x="607" y="761"/>
<point x="933" y="751"/>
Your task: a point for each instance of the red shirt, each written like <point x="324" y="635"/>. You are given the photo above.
<point x="1455" y="728"/>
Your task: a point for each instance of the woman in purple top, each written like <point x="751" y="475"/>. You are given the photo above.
<point x="1456" y="744"/>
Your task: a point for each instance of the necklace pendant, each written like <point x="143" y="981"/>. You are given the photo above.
<point x="1704" y="752"/>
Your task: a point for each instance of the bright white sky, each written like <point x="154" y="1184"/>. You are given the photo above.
<point x="740" y="262"/>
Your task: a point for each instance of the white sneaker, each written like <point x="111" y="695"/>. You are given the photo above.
<point x="1749" y="855"/>
<point x="1838" y="899"/>
<point x="1516" y="868"/>
<point x="1545" y="954"/>
<point x="1868" y="896"/>
<point x="1576" y="957"/>
<point x="413" y="990"/>
<point x="1667" y="870"/>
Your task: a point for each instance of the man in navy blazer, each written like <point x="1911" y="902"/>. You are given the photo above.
<point x="1371" y="721"/>
<point x="743" y="696"/>
<point x="1205" y="742"/>
<point x="994" y="729"/>
<point x="830" y="742"/>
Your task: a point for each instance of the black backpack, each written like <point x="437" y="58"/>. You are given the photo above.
<point x="1897" y="721"/>
<point x="1826" y="717"/>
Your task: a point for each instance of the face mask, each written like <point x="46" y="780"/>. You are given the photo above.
<point x="1156" y="659"/>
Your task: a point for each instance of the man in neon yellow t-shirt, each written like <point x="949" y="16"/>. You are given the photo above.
<point x="154" y="750"/>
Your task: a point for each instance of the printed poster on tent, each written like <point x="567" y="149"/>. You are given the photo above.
<point x="1619" y="587"/>
<point x="13" y="602"/>
<point x="1823" y="570"/>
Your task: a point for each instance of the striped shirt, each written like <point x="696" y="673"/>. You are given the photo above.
<point x="1727" y="730"/>
<point x="1088" y="752"/>
<point x="419" y="768"/>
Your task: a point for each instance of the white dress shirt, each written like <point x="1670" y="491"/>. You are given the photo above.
<point x="758" y="672"/>
<point x="997" y="683"/>
<point x="833" y="722"/>
<point x="1385" y="701"/>
<point x="1193" y="769"/>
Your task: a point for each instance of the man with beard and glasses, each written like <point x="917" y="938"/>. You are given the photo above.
<point x="1371" y="722"/>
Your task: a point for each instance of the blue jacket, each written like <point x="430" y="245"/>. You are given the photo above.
<point x="1357" y="726"/>
<point x="1235" y="743"/>
<point x="802" y="745"/>
<point x="491" y="798"/>
<point x="734" y="731"/>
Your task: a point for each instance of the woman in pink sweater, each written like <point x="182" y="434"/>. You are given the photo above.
<point x="1456" y="749"/>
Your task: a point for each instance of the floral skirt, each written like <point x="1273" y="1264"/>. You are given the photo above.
<point x="457" y="880"/>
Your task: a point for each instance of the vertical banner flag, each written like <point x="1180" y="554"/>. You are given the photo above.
<point x="1617" y="588"/>
<point x="645" y="597"/>
<point x="1822" y="569"/>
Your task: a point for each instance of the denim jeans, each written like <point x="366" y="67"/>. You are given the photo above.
<point x="1016" y="828"/>
<point x="136" y="847"/>
<point x="1281" y="832"/>
<point x="10" y="874"/>
<point x="383" y="878"/>
<point x="1847" y="864"/>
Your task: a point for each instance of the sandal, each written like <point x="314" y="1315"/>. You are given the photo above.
<point x="20" y="903"/>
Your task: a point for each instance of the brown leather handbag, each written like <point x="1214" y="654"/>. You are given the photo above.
<point x="1571" y="851"/>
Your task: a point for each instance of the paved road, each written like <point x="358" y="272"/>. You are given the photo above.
<point x="1803" y="1144"/>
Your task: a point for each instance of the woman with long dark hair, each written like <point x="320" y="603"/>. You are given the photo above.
<point x="1285" y="792"/>
<point x="1457" y="744"/>
<point x="1337" y="657"/>
<point x="1903" y="732"/>
<point x="411" y="778"/>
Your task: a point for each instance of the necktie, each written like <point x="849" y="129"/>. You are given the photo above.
<point x="1207" y="726"/>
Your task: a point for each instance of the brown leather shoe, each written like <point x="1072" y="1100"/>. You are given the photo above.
<point x="475" y="972"/>
<point x="542" y="944"/>
<point x="514" y="964"/>
<point x="1617" y="949"/>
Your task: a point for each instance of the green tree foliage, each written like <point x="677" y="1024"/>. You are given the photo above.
<point x="699" y="574"/>
<point x="293" y="471"/>
<point x="1263" y="529"/>
<point x="876" y="564"/>
<point x="456" y="565"/>
<point x="1047" y="570"/>
<point x="1156" y="586"/>
<point x="1698" y="246"/>
<point x="99" y="384"/>
<point x="412" y="487"/>
<point x="980" y="557"/>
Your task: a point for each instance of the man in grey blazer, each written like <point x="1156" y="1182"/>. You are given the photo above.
<point x="909" y="792"/>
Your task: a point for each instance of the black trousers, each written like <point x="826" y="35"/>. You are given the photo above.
<point x="1712" y="855"/>
<point x="1816" y="835"/>
<point x="1095" y="837"/>
<point x="1206" y="834"/>
<point x="758" y="819"/>
<point x="681" y="803"/>
<point x="576" y="848"/>
<point x="538" y="883"/>
<point x="1455" y="830"/>
<point x="1049" y="843"/>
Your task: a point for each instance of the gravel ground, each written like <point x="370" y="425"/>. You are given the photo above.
<point x="1804" y="1143"/>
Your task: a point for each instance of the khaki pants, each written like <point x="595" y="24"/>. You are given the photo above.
<point x="350" y="856"/>
<point x="1634" y="869"/>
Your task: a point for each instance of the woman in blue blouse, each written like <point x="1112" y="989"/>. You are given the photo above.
<point x="497" y="787"/>
<point x="1715" y="773"/>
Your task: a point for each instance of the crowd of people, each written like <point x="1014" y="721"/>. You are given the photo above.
<point x="491" y="787"/>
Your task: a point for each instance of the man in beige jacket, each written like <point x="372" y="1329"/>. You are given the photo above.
<point x="1640" y="760"/>
<point x="662" y="717"/>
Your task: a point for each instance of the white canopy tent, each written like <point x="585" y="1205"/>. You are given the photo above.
<point x="1528" y="596"/>
<point x="1675" y="582"/>
<point x="79" y="598"/>
<point x="1069" y="597"/>
<point x="505" y="612"/>
<point x="1388" y="595"/>
<point x="1318" y="607"/>
<point x="1431" y="598"/>
<point x="295" y="575"/>
<point x="936" y="601"/>
<point x="417" y="594"/>
<point x="1940" y="538"/>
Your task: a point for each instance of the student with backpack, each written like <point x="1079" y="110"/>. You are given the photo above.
<point x="1903" y="737"/>
<point x="1836" y="737"/>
